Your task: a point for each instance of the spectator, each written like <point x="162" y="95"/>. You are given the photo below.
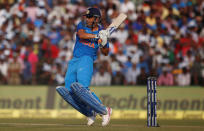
<point x="184" y="79"/>
<point x="46" y="76"/>
<point x="142" y="78"/>
<point x="54" y="35"/>
<point x="114" y="64"/>
<point x="155" y="33"/>
<point x="49" y="50"/>
<point x="3" y="70"/>
<point x="33" y="59"/>
<point x="31" y="10"/>
<point x="118" y="78"/>
<point x="127" y="5"/>
<point x="121" y="35"/>
<point x="14" y="71"/>
<point x="196" y="71"/>
<point x="166" y="78"/>
<point x="143" y="64"/>
<point x="121" y="57"/>
<point x="59" y="75"/>
<point x="127" y="65"/>
<point x="132" y="74"/>
<point x="27" y="73"/>
<point x="151" y="21"/>
<point x="102" y="78"/>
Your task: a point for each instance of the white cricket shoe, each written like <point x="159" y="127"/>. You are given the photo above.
<point x="91" y="120"/>
<point x="106" y="118"/>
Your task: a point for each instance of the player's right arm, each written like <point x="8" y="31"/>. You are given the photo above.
<point x="82" y="34"/>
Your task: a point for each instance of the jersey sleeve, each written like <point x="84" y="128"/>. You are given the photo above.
<point x="80" y="26"/>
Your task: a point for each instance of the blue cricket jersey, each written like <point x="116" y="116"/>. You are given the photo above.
<point x="86" y="46"/>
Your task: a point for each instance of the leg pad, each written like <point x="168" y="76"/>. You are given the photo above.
<point x="86" y="97"/>
<point x="69" y="98"/>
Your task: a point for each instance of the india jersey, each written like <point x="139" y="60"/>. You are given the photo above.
<point x="86" y="46"/>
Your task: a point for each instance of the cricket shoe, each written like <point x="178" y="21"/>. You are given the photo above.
<point x="106" y="118"/>
<point x="91" y="119"/>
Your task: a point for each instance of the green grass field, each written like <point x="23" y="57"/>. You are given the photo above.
<point x="80" y="125"/>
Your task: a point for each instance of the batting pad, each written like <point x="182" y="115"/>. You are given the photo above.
<point x="67" y="96"/>
<point x="86" y="97"/>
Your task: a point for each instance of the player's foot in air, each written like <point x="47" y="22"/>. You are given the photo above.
<point x="106" y="118"/>
<point x="91" y="120"/>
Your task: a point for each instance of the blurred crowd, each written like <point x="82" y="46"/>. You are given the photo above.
<point x="162" y="38"/>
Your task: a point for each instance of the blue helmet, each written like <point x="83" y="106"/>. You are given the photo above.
<point x="93" y="12"/>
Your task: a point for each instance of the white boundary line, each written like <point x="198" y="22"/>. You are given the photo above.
<point x="83" y="125"/>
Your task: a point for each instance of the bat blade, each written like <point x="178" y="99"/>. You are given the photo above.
<point x="116" y="22"/>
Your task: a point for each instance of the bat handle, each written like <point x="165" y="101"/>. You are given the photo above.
<point x="112" y="29"/>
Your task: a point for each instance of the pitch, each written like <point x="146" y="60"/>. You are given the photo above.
<point x="80" y="125"/>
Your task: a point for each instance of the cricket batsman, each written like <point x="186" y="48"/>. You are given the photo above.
<point x="89" y="38"/>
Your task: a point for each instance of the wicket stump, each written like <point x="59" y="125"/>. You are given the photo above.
<point x="151" y="102"/>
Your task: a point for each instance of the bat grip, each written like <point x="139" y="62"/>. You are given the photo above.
<point x="112" y="29"/>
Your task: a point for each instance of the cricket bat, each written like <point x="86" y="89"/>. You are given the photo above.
<point x="116" y="23"/>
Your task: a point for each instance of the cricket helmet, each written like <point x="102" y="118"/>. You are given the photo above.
<point x="93" y="12"/>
